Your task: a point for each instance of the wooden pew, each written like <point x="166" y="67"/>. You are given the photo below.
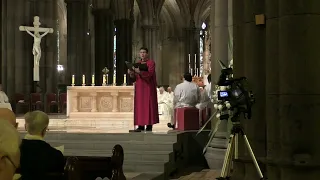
<point x="85" y="168"/>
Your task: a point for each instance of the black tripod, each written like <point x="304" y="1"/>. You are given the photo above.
<point x="233" y="148"/>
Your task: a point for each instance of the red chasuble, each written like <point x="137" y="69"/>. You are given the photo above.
<point x="145" y="98"/>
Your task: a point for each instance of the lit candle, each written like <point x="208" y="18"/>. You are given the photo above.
<point x="107" y="79"/>
<point x="104" y="79"/>
<point x="114" y="79"/>
<point x="92" y="79"/>
<point x="83" y="79"/>
<point x="124" y="79"/>
<point x="195" y="61"/>
<point x="72" y="79"/>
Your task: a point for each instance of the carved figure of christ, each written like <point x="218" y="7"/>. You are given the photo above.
<point x="36" y="50"/>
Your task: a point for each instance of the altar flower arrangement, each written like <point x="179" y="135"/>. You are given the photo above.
<point x="215" y="117"/>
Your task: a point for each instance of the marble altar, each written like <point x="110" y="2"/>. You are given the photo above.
<point x="108" y="102"/>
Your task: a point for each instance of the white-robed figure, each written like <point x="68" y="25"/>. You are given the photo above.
<point x="186" y="94"/>
<point x="164" y="103"/>
<point x="170" y="94"/>
<point x="4" y="100"/>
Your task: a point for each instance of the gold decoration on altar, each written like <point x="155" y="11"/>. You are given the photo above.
<point x="198" y="81"/>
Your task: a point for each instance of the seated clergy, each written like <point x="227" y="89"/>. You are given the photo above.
<point x="186" y="94"/>
<point x="170" y="93"/>
<point x="164" y="104"/>
<point x="4" y="100"/>
<point x="38" y="158"/>
<point x="9" y="150"/>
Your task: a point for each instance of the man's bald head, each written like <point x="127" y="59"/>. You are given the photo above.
<point x="9" y="150"/>
<point x="36" y="122"/>
<point x="7" y="114"/>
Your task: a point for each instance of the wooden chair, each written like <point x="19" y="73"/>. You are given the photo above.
<point x="21" y="105"/>
<point x="63" y="102"/>
<point x="51" y="101"/>
<point x="35" y="102"/>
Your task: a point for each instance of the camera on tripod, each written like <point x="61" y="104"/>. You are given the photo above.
<point x="233" y="96"/>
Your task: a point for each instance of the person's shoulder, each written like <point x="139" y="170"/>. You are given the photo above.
<point x="151" y="61"/>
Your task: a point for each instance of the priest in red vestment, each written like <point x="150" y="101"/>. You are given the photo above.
<point x="145" y="98"/>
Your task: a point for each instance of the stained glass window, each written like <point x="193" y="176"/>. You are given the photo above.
<point x="114" y="52"/>
<point x="203" y="33"/>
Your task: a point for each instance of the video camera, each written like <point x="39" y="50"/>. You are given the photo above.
<point x="232" y="96"/>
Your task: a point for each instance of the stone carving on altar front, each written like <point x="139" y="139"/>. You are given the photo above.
<point x="100" y="101"/>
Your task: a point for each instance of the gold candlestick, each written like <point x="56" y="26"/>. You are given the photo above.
<point x="114" y="80"/>
<point x="92" y="80"/>
<point x="104" y="80"/>
<point x="72" y="81"/>
<point x="83" y="80"/>
<point x="124" y="79"/>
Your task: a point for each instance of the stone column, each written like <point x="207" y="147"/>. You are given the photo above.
<point x="272" y="89"/>
<point x="104" y="34"/>
<point x="150" y="37"/>
<point x="79" y="42"/>
<point x="249" y="61"/>
<point x="298" y="90"/>
<point x="124" y="48"/>
<point x="219" y="52"/>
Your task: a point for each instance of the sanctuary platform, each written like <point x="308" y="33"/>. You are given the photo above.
<point x="148" y="155"/>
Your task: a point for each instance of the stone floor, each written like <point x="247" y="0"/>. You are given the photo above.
<point x="207" y="174"/>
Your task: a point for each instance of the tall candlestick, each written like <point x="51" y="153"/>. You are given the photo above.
<point x="189" y="58"/>
<point x="83" y="80"/>
<point x="191" y="71"/>
<point x="92" y="79"/>
<point x="195" y="61"/>
<point x="107" y="80"/>
<point x="198" y="72"/>
<point x="104" y="80"/>
<point x="189" y="63"/>
<point x="124" y="79"/>
<point x="72" y="81"/>
<point x="114" y="79"/>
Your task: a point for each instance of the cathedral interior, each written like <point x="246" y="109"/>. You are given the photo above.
<point x="274" y="43"/>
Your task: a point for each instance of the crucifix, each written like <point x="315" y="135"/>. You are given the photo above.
<point x="36" y="50"/>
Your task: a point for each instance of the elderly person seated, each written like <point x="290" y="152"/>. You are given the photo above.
<point x="4" y="100"/>
<point x="38" y="158"/>
<point x="9" y="150"/>
<point x="8" y="115"/>
<point x="186" y="94"/>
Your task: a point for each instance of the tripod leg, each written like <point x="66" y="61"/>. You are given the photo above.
<point x="227" y="157"/>
<point x="252" y="156"/>
<point x="230" y="162"/>
<point x="236" y="148"/>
